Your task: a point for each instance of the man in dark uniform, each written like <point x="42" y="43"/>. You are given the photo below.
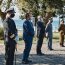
<point x="28" y="33"/>
<point x="40" y="35"/>
<point x="49" y="33"/>
<point x="61" y="30"/>
<point x="9" y="35"/>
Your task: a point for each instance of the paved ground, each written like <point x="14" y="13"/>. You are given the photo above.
<point x="55" y="57"/>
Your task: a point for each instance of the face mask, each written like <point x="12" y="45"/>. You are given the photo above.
<point x="12" y="15"/>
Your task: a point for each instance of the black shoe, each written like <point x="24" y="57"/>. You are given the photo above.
<point x="63" y="46"/>
<point x="40" y="54"/>
<point x="50" y="49"/>
<point x="26" y="62"/>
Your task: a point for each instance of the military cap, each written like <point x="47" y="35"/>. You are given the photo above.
<point x="10" y="10"/>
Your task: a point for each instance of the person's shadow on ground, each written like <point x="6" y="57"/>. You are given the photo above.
<point x="50" y="59"/>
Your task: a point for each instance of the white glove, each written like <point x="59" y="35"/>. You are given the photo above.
<point x="47" y="35"/>
<point x="12" y="36"/>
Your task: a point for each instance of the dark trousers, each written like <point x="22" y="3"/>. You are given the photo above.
<point x="39" y="44"/>
<point x="28" y="45"/>
<point x="9" y="50"/>
<point x="50" y="42"/>
<point x="61" y="39"/>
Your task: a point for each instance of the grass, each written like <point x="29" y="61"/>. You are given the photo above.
<point x="55" y="35"/>
<point x="55" y="39"/>
<point x="1" y="41"/>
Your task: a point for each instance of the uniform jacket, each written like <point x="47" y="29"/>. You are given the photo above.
<point x="9" y="29"/>
<point x="28" y="30"/>
<point x="49" y="29"/>
<point x="40" y="29"/>
<point x="62" y="28"/>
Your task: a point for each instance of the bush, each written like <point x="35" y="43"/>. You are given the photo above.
<point x="1" y="34"/>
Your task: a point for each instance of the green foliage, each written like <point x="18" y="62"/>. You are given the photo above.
<point x="46" y="5"/>
<point x="1" y="34"/>
<point x="34" y="4"/>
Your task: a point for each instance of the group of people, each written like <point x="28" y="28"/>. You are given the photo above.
<point x="10" y="34"/>
<point x="44" y="31"/>
<point x="28" y="34"/>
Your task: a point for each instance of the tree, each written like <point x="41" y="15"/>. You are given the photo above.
<point x="33" y="5"/>
<point x="47" y="5"/>
<point x="7" y="3"/>
<point x="29" y="5"/>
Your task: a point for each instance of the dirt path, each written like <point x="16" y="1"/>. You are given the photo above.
<point x="55" y="57"/>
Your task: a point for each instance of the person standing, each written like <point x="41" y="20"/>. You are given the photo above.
<point x="40" y="35"/>
<point x="9" y="36"/>
<point x="49" y="34"/>
<point x="62" y="33"/>
<point x="28" y="34"/>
